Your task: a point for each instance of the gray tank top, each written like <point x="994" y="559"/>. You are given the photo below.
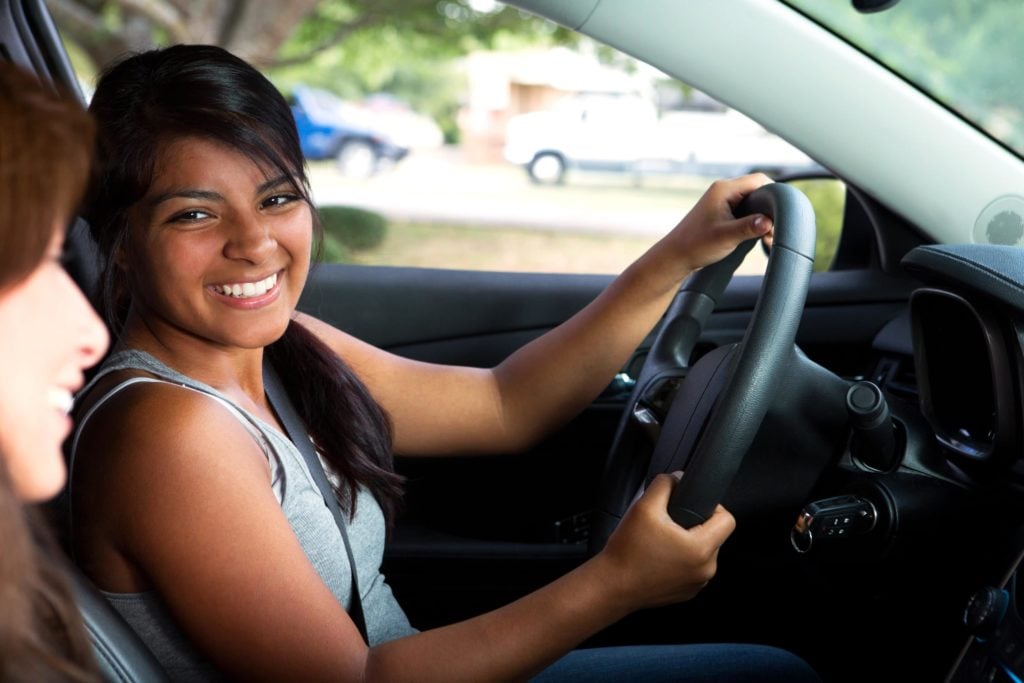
<point x="302" y="504"/>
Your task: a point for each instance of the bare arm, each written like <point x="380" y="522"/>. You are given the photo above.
<point x="649" y="561"/>
<point x="444" y="409"/>
<point x="212" y="540"/>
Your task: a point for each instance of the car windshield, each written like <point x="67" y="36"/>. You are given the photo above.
<point x="965" y="54"/>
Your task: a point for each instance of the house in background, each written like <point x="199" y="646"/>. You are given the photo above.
<point x="500" y="85"/>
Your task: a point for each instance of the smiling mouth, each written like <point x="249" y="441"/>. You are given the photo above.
<point x="60" y="399"/>
<point x="247" y="290"/>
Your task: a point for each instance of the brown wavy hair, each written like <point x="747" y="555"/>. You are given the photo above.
<point x="45" y="153"/>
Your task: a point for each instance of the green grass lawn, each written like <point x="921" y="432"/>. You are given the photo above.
<point x="436" y="245"/>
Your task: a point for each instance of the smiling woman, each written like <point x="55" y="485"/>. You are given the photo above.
<point x="50" y="336"/>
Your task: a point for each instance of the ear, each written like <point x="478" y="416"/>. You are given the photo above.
<point x="121" y="257"/>
<point x="121" y="252"/>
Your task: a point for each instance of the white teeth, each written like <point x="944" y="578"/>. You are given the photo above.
<point x="60" y="399"/>
<point x="248" y="289"/>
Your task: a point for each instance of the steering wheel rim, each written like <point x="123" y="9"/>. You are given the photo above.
<point x="712" y="445"/>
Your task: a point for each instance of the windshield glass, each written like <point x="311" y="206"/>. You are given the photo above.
<point x="964" y="53"/>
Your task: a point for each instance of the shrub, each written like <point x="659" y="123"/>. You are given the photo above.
<point x="333" y="251"/>
<point x="353" y="229"/>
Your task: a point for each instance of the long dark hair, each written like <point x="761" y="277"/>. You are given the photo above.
<point x="45" y="151"/>
<point x="205" y="91"/>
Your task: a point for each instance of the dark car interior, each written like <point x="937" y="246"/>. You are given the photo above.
<point x="879" y="511"/>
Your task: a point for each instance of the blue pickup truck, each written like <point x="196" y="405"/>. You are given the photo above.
<point x="330" y="128"/>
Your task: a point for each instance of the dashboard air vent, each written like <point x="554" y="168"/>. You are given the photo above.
<point x="895" y="374"/>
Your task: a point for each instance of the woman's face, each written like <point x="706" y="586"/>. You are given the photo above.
<point x="50" y="336"/>
<point x="220" y="248"/>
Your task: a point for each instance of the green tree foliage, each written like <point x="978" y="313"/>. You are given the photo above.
<point x="965" y="53"/>
<point x="350" y="47"/>
<point x="279" y="34"/>
<point x="405" y="47"/>
<point x="828" y="198"/>
<point x="449" y="28"/>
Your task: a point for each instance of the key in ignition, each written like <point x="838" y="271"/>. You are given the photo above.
<point x="832" y="519"/>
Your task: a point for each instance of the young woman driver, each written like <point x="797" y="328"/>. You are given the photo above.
<point x="199" y="520"/>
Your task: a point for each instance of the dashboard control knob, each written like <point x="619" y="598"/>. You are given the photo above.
<point x="874" y="441"/>
<point x="985" y="611"/>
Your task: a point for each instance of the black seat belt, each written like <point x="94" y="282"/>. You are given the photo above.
<point x="282" y="405"/>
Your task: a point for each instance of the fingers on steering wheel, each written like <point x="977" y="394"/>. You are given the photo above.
<point x="718" y="527"/>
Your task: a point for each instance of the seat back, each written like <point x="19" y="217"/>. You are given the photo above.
<point x="120" y="654"/>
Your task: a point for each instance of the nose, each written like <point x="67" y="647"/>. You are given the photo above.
<point x="89" y="331"/>
<point x="249" y="239"/>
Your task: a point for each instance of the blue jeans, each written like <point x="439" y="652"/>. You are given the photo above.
<point x="689" y="663"/>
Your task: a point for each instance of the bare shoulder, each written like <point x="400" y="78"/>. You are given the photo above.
<point x="163" y="414"/>
<point x="166" y="438"/>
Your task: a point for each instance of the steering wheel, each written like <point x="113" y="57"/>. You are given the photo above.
<point x="705" y="418"/>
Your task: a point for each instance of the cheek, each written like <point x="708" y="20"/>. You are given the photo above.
<point x="45" y="321"/>
<point x="296" y="237"/>
<point x="168" y="265"/>
<point x="299" y="234"/>
<point x="32" y="322"/>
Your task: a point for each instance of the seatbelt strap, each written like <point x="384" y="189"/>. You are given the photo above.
<point x="282" y="405"/>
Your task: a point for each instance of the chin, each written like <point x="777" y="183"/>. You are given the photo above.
<point x="275" y="334"/>
<point x="43" y="483"/>
<point x="262" y="341"/>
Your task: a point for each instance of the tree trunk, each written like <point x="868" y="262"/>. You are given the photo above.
<point x="108" y="29"/>
<point x="259" y="31"/>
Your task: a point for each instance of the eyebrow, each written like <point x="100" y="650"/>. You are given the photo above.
<point x="209" y="195"/>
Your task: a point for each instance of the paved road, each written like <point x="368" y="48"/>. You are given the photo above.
<point x="441" y="188"/>
<point x="438" y="187"/>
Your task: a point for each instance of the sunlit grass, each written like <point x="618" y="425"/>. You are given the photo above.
<point x="438" y="245"/>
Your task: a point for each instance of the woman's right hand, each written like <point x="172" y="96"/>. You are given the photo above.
<point x="653" y="561"/>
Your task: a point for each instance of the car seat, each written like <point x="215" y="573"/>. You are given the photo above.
<point x="120" y="655"/>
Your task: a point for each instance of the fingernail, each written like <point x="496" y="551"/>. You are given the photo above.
<point x="760" y="224"/>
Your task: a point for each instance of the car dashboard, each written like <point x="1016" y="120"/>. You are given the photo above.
<point x="964" y="370"/>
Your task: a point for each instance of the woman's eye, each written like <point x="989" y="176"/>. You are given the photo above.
<point x="279" y="200"/>
<point x="191" y="216"/>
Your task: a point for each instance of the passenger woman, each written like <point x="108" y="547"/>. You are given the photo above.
<point x="198" y="518"/>
<point x="49" y="335"/>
